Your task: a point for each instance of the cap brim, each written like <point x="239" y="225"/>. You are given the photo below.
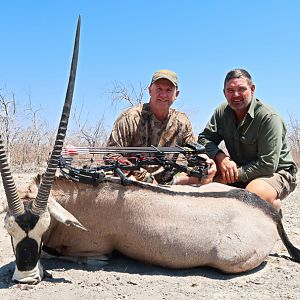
<point x="165" y="77"/>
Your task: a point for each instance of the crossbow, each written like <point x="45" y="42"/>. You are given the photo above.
<point x="135" y="159"/>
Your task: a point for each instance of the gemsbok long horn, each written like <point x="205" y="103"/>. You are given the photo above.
<point x="14" y="203"/>
<point x="40" y="204"/>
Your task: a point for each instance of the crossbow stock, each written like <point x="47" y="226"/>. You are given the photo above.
<point x="135" y="159"/>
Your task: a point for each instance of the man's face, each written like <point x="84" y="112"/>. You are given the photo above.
<point x="238" y="93"/>
<point x="163" y="93"/>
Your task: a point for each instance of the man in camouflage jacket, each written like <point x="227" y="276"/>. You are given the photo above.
<point x="156" y="123"/>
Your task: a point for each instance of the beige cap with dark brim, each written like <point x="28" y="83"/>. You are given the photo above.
<point x="165" y="74"/>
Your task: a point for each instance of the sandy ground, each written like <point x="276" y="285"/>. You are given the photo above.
<point x="123" y="278"/>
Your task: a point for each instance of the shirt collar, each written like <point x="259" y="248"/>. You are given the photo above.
<point x="252" y="107"/>
<point x="147" y="113"/>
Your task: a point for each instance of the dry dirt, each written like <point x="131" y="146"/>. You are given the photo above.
<point x="123" y="278"/>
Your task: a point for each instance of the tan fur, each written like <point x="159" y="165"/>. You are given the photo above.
<point x="175" y="227"/>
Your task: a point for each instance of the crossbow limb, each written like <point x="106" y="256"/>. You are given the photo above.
<point x="139" y="157"/>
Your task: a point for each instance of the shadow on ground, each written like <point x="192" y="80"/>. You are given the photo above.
<point x="121" y="264"/>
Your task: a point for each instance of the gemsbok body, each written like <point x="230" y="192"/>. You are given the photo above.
<point x="176" y="226"/>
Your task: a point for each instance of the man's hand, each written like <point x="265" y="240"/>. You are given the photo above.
<point x="211" y="171"/>
<point x="227" y="169"/>
<point x="183" y="179"/>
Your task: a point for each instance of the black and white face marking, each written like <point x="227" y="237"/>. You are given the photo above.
<point x="26" y="235"/>
<point x="27" y="254"/>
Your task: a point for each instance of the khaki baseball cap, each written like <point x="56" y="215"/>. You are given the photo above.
<point x="166" y="74"/>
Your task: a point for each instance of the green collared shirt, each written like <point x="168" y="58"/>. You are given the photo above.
<point x="258" y="145"/>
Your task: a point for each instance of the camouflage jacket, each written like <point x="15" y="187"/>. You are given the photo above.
<point x="138" y="127"/>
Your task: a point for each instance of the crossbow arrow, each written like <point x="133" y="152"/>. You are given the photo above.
<point x="138" y="157"/>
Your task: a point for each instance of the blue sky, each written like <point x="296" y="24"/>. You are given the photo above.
<point x="126" y="41"/>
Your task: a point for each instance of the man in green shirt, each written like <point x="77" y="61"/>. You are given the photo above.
<point x="259" y="158"/>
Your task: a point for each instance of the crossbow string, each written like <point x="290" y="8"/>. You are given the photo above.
<point x="139" y="157"/>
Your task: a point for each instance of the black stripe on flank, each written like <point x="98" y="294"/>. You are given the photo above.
<point x="51" y="251"/>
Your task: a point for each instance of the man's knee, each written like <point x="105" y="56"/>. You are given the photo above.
<point x="264" y="190"/>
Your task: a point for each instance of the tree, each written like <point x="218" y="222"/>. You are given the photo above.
<point x="127" y="93"/>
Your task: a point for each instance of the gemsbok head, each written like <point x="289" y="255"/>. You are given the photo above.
<point x="26" y="221"/>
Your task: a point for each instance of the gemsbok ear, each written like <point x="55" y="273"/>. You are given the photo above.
<point x="62" y="215"/>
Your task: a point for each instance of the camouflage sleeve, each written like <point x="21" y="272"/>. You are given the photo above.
<point x="189" y="137"/>
<point x="121" y="136"/>
<point x="122" y="132"/>
<point x="187" y="131"/>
